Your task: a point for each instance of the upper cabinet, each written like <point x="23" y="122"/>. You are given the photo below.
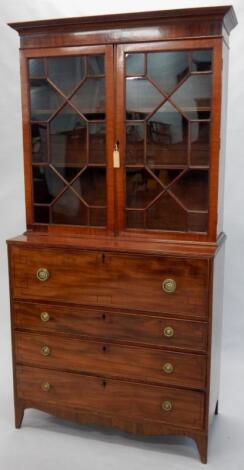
<point x="122" y="123"/>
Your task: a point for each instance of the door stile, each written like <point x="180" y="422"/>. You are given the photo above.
<point x="120" y="136"/>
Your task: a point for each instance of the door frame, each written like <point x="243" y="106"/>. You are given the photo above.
<point x="26" y="54"/>
<point x="188" y="44"/>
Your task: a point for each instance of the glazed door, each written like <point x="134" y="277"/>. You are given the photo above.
<point x="68" y="130"/>
<point x="166" y="122"/>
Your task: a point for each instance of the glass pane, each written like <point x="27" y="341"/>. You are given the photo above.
<point x="141" y="98"/>
<point x="44" y="100"/>
<point x="135" y="64"/>
<point x="193" y="97"/>
<point x="41" y="214"/>
<point x="46" y="184"/>
<point x="39" y="142"/>
<point x="68" y="173"/>
<point x="200" y="143"/>
<point x="97" y="143"/>
<point x="91" y="186"/>
<point x="135" y="219"/>
<point x="68" y="209"/>
<point x="95" y="65"/>
<point x="97" y="217"/>
<point x="201" y="60"/>
<point x="90" y="98"/>
<point x="36" y="68"/>
<point x="141" y="187"/>
<point x="167" y="69"/>
<point x="68" y="138"/>
<point x="66" y="72"/>
<point x="197" y="222"/>
<point x="166" y="176"/>
<point x="166" y="214"/>
<point x="192" y="189"/>
<point x="134" y="152"/>
<point x="167" y="140"/>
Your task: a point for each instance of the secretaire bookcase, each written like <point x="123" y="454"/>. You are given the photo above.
<point x="116" y="286"/>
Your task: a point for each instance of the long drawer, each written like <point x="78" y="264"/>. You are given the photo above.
<point x="148" y="283"/>
<point x="130" y="327"/>
<point x="111" y="397"/>
<point x="107" y="359"/>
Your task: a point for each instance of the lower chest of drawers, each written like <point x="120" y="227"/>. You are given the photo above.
<point x="112" y="334"/>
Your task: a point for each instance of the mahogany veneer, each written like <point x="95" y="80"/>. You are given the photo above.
<point x="116" y="286"/>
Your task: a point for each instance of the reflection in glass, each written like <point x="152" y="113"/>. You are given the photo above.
<point x="135" y="64"/>
<point x="167" y="132"/>
<point x="193" y="97"/>
<point x="44" y="100"/>
<point x="41" y="214"/>
<point x="46" y="184"/>
<point x="202" y="60"/>
<point x="141" y="98"/>
<point x="39" y="142"/>
<point x="166" y="176"/>
<point x="90" y="98"/>
<point x="135" y="219"/>
<point x="97" y="217"/>
<point x="91" y="186"/>
<point x="36" y="68"/>
<point x="192" y="189"/>
<point x="95" y="65"/>
<point x="68" y="173"/>
<point x="166" y="214"/>
<point x="68" y="209"/>
<point x="197" y="222"/>
<point x="97" y="143"/>
<point x="200" y="143"/>
<point x="141" y="188"/>
<point x="167" y="69"/>
<point x="134" y="152"/>
<point x="66" y="72"/>
<point x="68" y="138"/>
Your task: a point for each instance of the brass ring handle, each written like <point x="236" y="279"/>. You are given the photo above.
<point x="45" y="350"/>
<point x="169" y="332"/>
<point x="167" y="405"/>
<point x="168" y="368"/>
<point x="45" y="316"/>
<point x="42" y="274"/>
<point x="45" y="386"/>
<point x="169" y="286"/>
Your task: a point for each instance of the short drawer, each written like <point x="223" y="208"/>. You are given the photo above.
<point x="183" y="408"/>
<point x="112" y="360"/>
<point x="130" y="327"/>
<point x="115" y="280"/>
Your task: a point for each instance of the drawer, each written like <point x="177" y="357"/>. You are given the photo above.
<point x="115" y="280"/>
<point x="111" y="397"/>
<point x="130" y="327"/>
<point x="113" y="360"/>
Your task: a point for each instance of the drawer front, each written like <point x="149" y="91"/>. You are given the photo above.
<point x="107" y="359"/>
<point x="111" y="397"/>
<point x="115" y="280"/>
<point x="144" y="329"/>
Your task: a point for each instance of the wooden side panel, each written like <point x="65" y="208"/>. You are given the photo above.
<point x="225" y="62"/>
<point x="216" y="334"/>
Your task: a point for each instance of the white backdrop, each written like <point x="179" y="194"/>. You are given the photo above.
<point x="45" y="442"/>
